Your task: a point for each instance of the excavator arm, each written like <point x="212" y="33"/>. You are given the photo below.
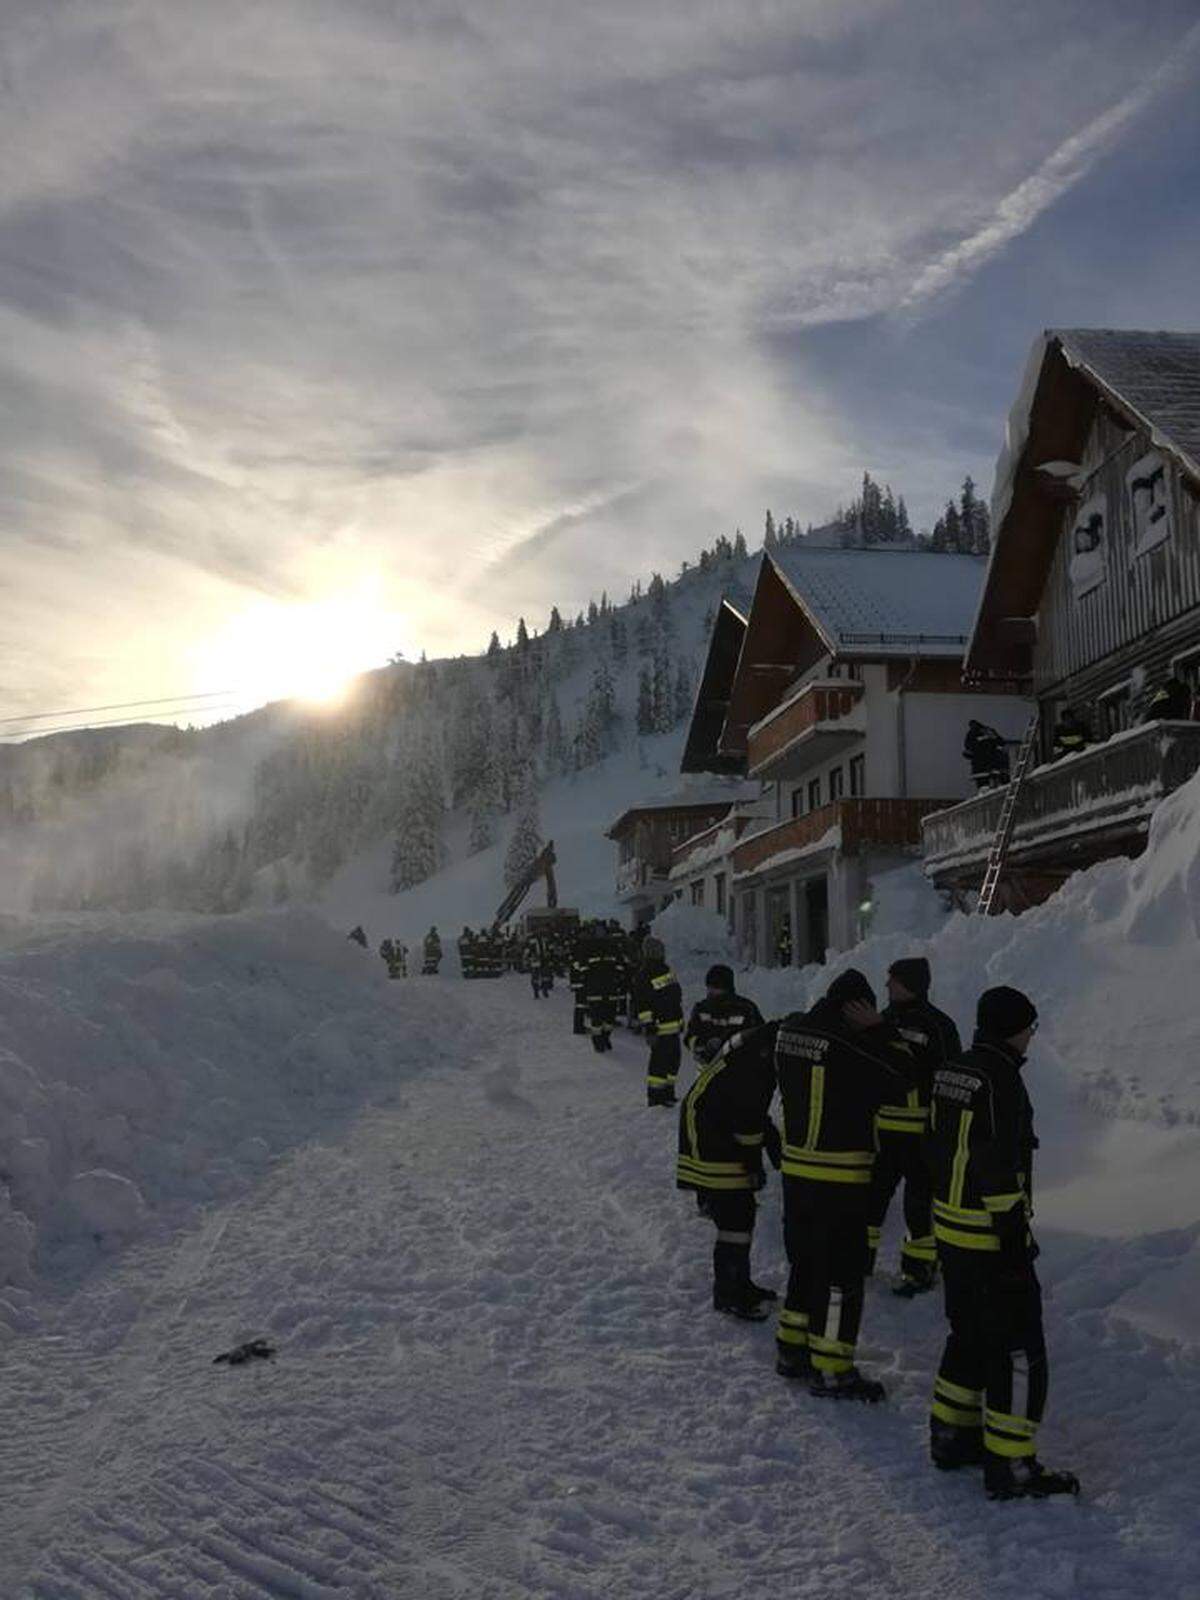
<point x="541" y="867"/>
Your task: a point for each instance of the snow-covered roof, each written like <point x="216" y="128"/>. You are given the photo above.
<point x="702" y="797"/>
<point x="1155" y="376"/>
<point x="885" y="602"/>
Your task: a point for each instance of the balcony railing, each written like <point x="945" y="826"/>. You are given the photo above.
<point x="1086" y="806"/>
<point x="854" y="825"/>
<point x="783" y="742"/>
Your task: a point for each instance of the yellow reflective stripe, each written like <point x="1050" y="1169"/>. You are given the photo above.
<point x="693" y="1098"/>
<point x="662" y="1028"/>
<point x="952" y="1414"/>
<point x="874" y="1235"/>
<point x="965" y="1241"/>
<point x="956" y="1391"/>
<point x="1003" y="1202"/>
<point x="788" y="1335"/>
<point x="965" y="1216"/>
<point x="712" y="1166"/>
<point x="659" y="1083"/>
<point x="997" y="1445"/>
<point x="698" y="1180"/>
<point x="662" y="980"/>
<point x="832" y="1158"/>
<point x="924" y="1249"/>
<point x="958" y="1171"/>
<point x="830" y="1355"/>
<point x="799" y="1169"/>
<point x="1006" y="1422"/>
<point x="645" y="1016"/>
<point x="793" y="1319"/>
<point x="895" y="1125"/>
<point x="753" y="1140"/>
<point x="816" y="1103"/>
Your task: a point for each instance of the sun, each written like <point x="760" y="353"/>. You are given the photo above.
<point x="309" y="651"/>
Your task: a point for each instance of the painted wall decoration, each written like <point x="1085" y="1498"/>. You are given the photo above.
<point x="1150" y="502"/>
<point x="1089" y="546"/>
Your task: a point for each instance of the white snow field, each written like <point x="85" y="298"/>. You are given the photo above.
<point x="497" y="1373"/>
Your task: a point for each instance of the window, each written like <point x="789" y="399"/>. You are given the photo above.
<point x="814" y="794"/>
<point x="858" y="775"/>
<point x="719" y="885"/>
<point x="1114" y="710"/>
<point x="1149" y="503"/>
<point x="797" y="802"/>
<point x="837" y="783"/>
<point x="1187" y="667"/>
<point x="698" y="892"/>
<point x="1089" y="546"/>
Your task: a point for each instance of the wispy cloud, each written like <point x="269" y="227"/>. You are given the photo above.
<point x="485" y="300"/>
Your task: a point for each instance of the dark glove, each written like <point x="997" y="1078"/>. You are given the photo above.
<point x="1017" y="1249"/>
<point x="773" y="1144"/>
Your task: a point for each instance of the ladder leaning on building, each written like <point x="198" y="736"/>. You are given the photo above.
<point x="1008" y="819"/>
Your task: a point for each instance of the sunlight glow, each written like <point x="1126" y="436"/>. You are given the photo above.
<point x="310" y="651"/>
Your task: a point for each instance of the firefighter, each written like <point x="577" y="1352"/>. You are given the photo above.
<point x="721" y="1014"/>
<point x="1070" y="734"/>
<point x="990" y="1390"/>
<point x="576" y="972"/>
<point x="391" y="950"/>
<point x="836" y="1065"/>
<point x="783" y="945"/>
<point x="601" y="986"/>
<point x="659" y="1003"/>
<point x="432" y="953"/>
<point x="899" y="1129"/>
<point x="539" y="964"/>
<point x="722" y="1124"/>
<point x="987" y="752"/>
<point x="1170" y="702"/>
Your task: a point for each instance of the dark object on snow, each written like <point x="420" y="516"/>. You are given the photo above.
<point x="252" y="1350"/>
<point x="986" y="751"/>
<point x="358" y="936"/>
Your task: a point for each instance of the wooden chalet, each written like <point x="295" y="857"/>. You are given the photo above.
<point x="647" y="834"/>
<point x="1092" y="600"/>
<point x="846" y="709"/>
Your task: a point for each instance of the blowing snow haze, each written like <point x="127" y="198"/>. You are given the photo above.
<point x="386" y="323"/>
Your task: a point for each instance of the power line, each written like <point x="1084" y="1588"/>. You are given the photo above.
<point x="120" y="705"/>
<point x="22" y="734"/>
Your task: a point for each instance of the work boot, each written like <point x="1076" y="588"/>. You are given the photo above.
<point x="797" y="1367"/>
<point x="759" y="1293"/>
<point x="846" y="1386"/>
<point x="914" y="1281"/>
<point x="598" y="1043"/>
<point x="664" y="1096"/>
<point x="1024" y="1478"/>
<point x="735" y="1300"/>
<point x="951" y="1447"/>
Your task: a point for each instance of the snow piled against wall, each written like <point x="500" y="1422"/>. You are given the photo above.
<point x="152" y="1062"/>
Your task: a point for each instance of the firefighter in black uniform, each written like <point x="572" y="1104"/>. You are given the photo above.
<point x="576" y="973"/>
<point x="393" y="953"/>
<point x="900" y="1128"/>
<point x="659" y="1007"/>
<point x="836" y="1065"/>
<point x="432" y="953"/>
<point x="1070" y="734"/>
<point x="783" y="945"/>
<point x="990" y="1390"/>
<point x="1170" y="702"/>
<point x="722" y="1122"/>
<point x="540" y="964"/>
<point x="600" y="958"/>
<point x="721" y="1014"/>
<point x="987" y="752"/>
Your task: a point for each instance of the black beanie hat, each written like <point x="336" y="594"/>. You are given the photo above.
<point x="719" y="977"/>
<point x="1004" y="1012"/>
<point x="850" y="986"/>
<point x="913" y="972"/>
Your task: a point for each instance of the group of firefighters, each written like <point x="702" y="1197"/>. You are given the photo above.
<point x="986" y="749"/>
<point x="871" y="1100"/>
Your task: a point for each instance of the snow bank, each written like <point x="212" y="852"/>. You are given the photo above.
<point x="152" y="1062"/>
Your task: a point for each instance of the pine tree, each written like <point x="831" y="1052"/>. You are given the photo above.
<point x="903" y="525"/>
<point x="495" y="648"/>
<point x="555" y="625"/>
<point x="645" y="702"/>
<point x="556" y="740"/>
<point x="683" y="691"/>
<point x="739" y="546"/>
<point x="419" y="851"/>
<point x="525" y="842"/>
<point x="522" y="634"/>
<point x="770" y="537"/>
<point x="952" y="523"/>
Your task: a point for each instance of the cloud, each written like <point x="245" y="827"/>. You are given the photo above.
<point x="486" y="300"/>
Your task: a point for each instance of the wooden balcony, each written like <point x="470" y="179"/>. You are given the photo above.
<point x="813" y="725"/>
<point x="1072" y="812"/>
<point x="850" y="826"/>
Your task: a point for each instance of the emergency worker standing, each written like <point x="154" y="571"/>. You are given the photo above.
<point x="659" y="1003"/>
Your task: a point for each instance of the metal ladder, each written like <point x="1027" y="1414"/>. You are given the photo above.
<point x="1008" y="819"/>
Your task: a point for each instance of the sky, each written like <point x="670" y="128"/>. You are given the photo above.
<point x="330" y="332"/>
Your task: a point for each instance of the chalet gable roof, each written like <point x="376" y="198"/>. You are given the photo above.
<point x="1151" y="379"/>
<point x="701" y="751"/>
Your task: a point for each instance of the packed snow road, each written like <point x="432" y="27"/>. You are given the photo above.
<point x="497" y="1376"/>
